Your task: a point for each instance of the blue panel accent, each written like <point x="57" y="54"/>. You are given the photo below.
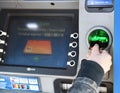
<point x="117" y="48"/>
<point x="99" y="2"/>
<point x="18" y="83"/>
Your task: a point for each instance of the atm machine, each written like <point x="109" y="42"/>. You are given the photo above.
<point x="42" y="42"/>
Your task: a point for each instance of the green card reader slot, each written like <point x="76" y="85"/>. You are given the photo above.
<point x="100" y="36"/>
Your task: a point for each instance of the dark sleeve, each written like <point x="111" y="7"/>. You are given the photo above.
<point x="83" y="85"/>
<point x="91" y="70"/>
<point x="88" y="78"/>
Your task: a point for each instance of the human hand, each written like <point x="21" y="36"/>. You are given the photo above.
<point x="102" y="57"/>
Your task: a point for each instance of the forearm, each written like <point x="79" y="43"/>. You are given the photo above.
<point x="88" y="79"/>
<point x="92" y="70"/>
<point x="83" y="85"/>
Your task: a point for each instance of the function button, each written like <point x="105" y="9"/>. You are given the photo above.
<point x="73" y="44"/>
<point x="74" y="35"/>
<point x="72" y="53"/>
<point x="2" y="33"/>
<point x="71" y="63"/>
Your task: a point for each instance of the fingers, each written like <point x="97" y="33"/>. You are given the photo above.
<point x="106" y="53"/>
<point x="88" y="55"/>
<point x="108" y="57"/>
<point x="95" y="49"/>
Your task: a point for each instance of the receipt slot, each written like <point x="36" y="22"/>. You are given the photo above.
<point x="101" y="36"/>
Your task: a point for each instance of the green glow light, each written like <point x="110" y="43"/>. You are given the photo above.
<point x="100" y="37"/>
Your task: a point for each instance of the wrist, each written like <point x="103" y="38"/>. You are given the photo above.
<point x="92" y="70"/>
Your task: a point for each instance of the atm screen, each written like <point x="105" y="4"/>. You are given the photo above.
<point x="38" y="41"/>
<point x="99" y="3"/>
<point x="41" y="41"/>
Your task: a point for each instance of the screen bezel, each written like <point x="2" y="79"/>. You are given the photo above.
<point x="68" y="71"/>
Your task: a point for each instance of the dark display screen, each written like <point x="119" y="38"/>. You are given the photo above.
<point x="99" y="3"/>
<point x="41" y="41"/>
